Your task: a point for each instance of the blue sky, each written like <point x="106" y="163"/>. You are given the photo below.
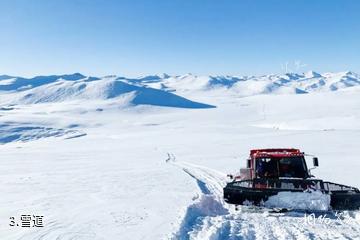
<point x="133" y="37"/>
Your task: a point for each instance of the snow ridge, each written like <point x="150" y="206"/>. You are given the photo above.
<point x="290" y="83"/>
<point x="78" y="87"/>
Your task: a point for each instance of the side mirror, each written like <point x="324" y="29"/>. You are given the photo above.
<point x="315" y="162"/>
<point x="248" y="163"/>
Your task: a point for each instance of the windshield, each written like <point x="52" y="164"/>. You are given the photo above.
<point x="271" y="167"/>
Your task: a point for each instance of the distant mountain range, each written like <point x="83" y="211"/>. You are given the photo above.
<point x="160" y="89"/>
<point x="252" y="85"/>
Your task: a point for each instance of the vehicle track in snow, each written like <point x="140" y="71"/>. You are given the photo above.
<point x="209" y="217"/>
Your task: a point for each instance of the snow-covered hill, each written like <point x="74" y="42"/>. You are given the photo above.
<point x="252" y="85"/>
<point x="78" y="87"/>
<point x="64" y="87"/>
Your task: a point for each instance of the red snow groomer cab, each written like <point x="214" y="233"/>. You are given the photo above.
<point x="270" y="171"/>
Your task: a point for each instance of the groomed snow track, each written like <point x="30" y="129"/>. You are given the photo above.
<point x="209" y="217"/>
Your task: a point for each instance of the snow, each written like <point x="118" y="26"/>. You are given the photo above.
<point x="240" y="85"/>
<point x="7" y="81"/>
<point x="253" y="85"/>
<point x="314" y="200"/>
<point x="20" y="131"/>
<point x="312" y="74"/>
<point x="64" y="90"/>
<point x="106" y="172"/>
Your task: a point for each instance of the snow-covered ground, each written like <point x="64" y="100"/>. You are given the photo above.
<point x="147" y="158"/>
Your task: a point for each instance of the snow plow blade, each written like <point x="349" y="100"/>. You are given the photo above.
<point x="257" y="191"/>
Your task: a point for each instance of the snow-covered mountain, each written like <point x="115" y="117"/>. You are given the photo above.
<point x="74" y="87"/>
<point x="159" y="89"/>
<point x="253" y="85"/>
